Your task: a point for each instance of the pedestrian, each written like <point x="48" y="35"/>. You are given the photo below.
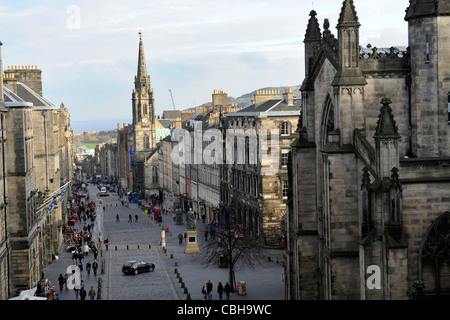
<point x="88" y="268"/>
<point x="75" y="256"/>
<point x="92" y="293"/>
<point x="76" y="288"/>
<point x="205" y="291"/>
<point x="227" y="290"/>
<point x="220" y="290"/>
<point x="206" y="234"/>
<point x="209" y="288"/>
<point x="117" y="218"/>
<point x="180" y="238"/>
<point x="61" y="281"/>
<point x="136" y="218"/>
<point x="94" y="267"/>
<point x="82" y="294"/>
<point x="129" y="218"/>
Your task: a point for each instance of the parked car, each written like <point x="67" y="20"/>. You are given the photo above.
<point x="137" y="266"/>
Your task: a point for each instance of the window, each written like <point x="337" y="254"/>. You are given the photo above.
<point x="285" y="128"/>
<point x="284" y="157"/>
<point x="146" y="142"/>
<point x="285" y="189"/>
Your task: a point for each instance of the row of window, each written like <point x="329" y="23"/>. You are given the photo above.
<point x="285" y="127"/>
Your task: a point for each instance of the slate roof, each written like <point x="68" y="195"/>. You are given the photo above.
<point x="25" y="94"/>
<point x="273" y="107"/>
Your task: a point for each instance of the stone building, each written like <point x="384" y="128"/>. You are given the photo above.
<point x="254" y="176"/>
<point x="368" y="210"/>
<point x="36" y="172"/>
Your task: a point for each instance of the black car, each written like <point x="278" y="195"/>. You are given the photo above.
<point x="137" y="266"/>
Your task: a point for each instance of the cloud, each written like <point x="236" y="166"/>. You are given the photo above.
<point x="191" y="46"/>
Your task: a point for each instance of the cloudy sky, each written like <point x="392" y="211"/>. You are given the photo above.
<point x="88" y="49"/>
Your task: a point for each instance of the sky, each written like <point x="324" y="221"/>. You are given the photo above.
<point x="88" y="49"/>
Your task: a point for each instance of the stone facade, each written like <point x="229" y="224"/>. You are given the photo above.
<point x="369" y="168"/>
<point x="37" y="164"/>
<point x="254" y="176"/>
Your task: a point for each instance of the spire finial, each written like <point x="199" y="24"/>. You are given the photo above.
<point x="140" y="35"/>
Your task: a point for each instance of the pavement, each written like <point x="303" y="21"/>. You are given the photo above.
<point x="177" y="275"/>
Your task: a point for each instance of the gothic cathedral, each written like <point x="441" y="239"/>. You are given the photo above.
<point x="369" y="199"/>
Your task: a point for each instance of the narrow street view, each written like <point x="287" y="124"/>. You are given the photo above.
<point x="141" y="240"/>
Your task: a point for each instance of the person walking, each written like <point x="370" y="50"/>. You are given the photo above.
<point x="94" y="267"/>
<point x="88" y="268"/>
<point x="220" y="290"/>
<point x="129" y="218"/>
<point x="227" y="290"/>
<point x="180" y="238"/>
<point x="209" y="289"/>
<point x="61" y="281"/>
<point x="92" y="293"/>
<point x="82" y="294"/>
<point x="136" y="217"/>
<point x="205" y="291"/>
<point x="117" y="218"/>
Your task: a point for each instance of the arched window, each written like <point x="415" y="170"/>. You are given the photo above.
<point x="285" y="129"/>
<point x="434" y="258"/>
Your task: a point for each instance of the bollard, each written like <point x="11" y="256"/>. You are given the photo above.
<point x="138" y="246"/>
<point x="171" y="256"/>
<point x="116" y="247"/>
<point x="127" y="247"/>
<point x="99" y="289"/>
<point x="185" y="290"/>
<point x="188" y="297"/>
<point x="176" y="264"/>
<point x="175" y="270"/>
<point x="149" y="245"/>
<point x="103" y="266"/>
<point x="182" y="285"/>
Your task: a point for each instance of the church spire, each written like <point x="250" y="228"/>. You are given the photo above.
<point x="142" y="67"/>
<point x="348" y="16"/>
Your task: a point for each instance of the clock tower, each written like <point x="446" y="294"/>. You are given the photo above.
<point x="143" y="130"/>
<point x="143" y="102"/>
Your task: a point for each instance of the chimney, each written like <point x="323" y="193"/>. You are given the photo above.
<point x="219" y="98"/>
<point x="288" y="96"/>
<point x="29" y="75"/>
<point x="10" y="82"/>
<point x="265" y="95"/>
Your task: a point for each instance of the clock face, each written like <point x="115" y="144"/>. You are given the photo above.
<point x="145" y="120"/>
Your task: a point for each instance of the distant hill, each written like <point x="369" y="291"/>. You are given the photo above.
<point x="90" y="139"/>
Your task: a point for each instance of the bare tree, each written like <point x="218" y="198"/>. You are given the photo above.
<point x="235" y="248"/>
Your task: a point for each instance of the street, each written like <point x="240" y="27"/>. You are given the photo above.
<point x="141" y="239"/>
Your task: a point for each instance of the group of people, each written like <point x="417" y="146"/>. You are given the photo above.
<point x="207" y="290"/>
<point x="48" y="290"/>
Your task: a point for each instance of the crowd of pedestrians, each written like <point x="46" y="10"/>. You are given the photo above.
<point x="82" y="246"/>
